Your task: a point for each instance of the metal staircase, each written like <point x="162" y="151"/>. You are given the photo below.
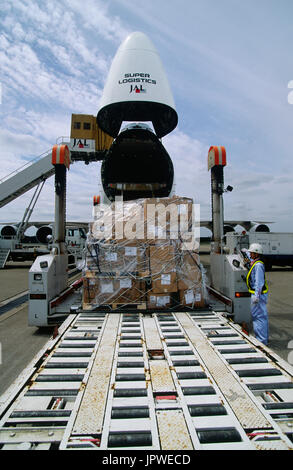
<point x="25" y="178"/>
<point x="4" y="254"/>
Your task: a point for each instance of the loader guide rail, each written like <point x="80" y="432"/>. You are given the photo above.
<point x="142" y="308"/>
<point x="126" y="381"/>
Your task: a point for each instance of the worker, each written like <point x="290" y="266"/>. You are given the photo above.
<point x="257" y="286"/>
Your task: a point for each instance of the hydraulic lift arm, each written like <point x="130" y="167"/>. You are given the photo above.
<point x="48" y="276"/>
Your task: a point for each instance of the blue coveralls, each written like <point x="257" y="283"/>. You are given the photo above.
<point x="259" y="312"/>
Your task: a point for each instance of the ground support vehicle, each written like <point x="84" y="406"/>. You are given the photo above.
<point x="128" y="380"/>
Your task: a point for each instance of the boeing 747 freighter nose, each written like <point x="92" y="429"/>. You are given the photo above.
<point x="137" y="89"/>
<point x="137" y="164"/>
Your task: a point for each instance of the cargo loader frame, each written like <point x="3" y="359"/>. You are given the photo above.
<point x="122" y="381"/>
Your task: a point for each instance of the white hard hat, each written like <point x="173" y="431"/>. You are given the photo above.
<point x="255" y="248"/>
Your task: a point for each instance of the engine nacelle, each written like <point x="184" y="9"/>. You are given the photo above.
<point x="43" y="232"/>
<point x="8" y="231"/>
<point x="228" y="228"/>
<point x="260" y="228"/>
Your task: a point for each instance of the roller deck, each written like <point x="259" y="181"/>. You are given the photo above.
<point x="141" y="381"/>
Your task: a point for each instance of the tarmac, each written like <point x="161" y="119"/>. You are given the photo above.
<point x="19" y="343"/>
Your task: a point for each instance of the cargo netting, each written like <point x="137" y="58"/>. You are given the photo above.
<point x="143" y="253"/>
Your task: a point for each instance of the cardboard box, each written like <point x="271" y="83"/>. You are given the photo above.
<point x="184" y="205"/>
<point x="192" y="297"/>
<point x="136" y="248"/>
<point x="124" y="257"/>
<point x="188" y="270"/>
<point x="147" y="220"/>
<point x="128" y="221"/>
<point x="159" y="300"/>
<point x="168" y="216"/>
<point x="162" y="259"/>
<point x="101" y="290"/>
<point x="118" y="221"/>
<point x="164" y="282"/>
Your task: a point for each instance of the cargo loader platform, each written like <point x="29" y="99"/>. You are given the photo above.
<point x="129" y="380"/>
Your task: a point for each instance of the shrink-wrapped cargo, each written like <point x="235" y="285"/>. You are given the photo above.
<point x="136" y="253"/>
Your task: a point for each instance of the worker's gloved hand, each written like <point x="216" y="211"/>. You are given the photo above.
<point x="255" y="299"/>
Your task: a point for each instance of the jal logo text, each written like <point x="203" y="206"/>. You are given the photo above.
<point x="80" y="143"/>
<point x="136" y="89"/>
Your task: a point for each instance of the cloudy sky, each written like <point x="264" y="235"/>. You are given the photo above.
<point x="230" y="68"/>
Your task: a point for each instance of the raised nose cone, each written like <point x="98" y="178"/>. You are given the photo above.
<point x="137" y="89"/>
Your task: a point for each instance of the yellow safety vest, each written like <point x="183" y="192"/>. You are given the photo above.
<point x="265" y="286"/>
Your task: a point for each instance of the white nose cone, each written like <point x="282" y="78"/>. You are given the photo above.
<point x="137" y="89"/>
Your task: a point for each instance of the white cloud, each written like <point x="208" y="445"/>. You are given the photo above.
<point x="94" y="14"/>
<point x="25" y="75"/>
<point x="13" y="148"/>
<point x="189" y="158"/>
<point x="54" y="60"/>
